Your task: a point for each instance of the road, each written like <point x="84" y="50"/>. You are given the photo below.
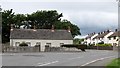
<point x="57" y="58"/>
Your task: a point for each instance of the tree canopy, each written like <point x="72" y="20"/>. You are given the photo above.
<point x="41" y="19"/>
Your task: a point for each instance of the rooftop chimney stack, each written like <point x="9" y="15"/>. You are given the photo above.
<point x="34" y="28"/>
<point x="108" y="30"/>
<point x="52" y="29"/>
<point x="69" y="29"/>
<point x="11" y="27"/>
<point x="116" y="30"/>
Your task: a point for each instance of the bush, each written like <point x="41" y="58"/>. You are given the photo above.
<point x="23" y="44"/>
<point x="103" y="44"/>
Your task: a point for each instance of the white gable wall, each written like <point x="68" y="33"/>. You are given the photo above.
<point x="93" y="40"/>
<point x="114" y="41"/>
<point x="54" y="43"/>
<point x="106" y="39"/>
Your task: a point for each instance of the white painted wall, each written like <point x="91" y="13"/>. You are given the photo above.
<point x="90" y="40"/>
<point x="113" y="41"/>
<point x="106" y="39"/>
<point x="54" y="43"/>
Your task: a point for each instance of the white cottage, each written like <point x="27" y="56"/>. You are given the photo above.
<point x="42" y="37"/>
<point x="114" y="38"/>
<point x="90" y="38"/>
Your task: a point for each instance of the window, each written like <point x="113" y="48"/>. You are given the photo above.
<point x="114" y="37"/>
<point x="61" y="43"/>
<point x="48" y="44"/>
<point x="17" y="43"/>
<point x="29" y="44"/>
<point x="109" y="38"/>
<point x="38" y="43"/>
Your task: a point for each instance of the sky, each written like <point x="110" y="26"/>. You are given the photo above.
<point x="89" y="15"/>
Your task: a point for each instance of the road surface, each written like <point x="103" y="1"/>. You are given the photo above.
<point x="58" y="58"/>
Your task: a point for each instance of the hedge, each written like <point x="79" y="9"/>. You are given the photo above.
<point x="103" y="44"/>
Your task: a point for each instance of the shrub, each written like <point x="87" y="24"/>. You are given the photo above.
<point x="103" y="44"/>
<point x="23" y="44"/>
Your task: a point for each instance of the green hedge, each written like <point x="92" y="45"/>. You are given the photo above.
<point x="103" y="44"/>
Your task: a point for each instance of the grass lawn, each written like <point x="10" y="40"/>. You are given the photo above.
<point x="114" y="63"/>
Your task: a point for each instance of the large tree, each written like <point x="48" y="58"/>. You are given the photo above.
<point x="7" y="19"/>
<point x="41" y="19"/>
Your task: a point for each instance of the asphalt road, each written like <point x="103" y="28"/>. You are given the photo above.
<point x="58" y="58"/>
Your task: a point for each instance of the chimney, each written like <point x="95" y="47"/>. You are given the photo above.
<point x="34" y="28"/>
<point x="69" y="29"/>
<point x="11" y="27"/>
<point x="52" y="29"/>
<point x="94" y="32"/>
<point x="108" y="30"/>
<point x="99" y="33"/>
<point x="104" y="31"/>
<point x="116" y="30"/>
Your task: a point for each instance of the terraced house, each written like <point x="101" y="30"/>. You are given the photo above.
<point x="99" y="37"/>
<point x="42" y="37"/>
<point x="114" y="38"/>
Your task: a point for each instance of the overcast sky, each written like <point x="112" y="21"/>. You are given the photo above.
<point x="90" y="15"/>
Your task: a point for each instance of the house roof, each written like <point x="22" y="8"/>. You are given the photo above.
<point x="89" y="36"/>
<point x="101" y="35"/>
<point x="115" y="34"/>
<point x="43" y="34"/>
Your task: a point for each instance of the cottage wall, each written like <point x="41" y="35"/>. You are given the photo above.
<point x="54" y="43"/>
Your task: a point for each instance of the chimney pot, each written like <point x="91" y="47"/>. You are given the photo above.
<point x="52" y="28"/>
<point x="69" y="29"/>
<point x="34" y="28"/>
<point x="116" y="30"/>
<point x="11" y="27"/>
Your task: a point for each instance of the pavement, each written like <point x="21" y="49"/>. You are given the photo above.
<point x="88" y="58"/>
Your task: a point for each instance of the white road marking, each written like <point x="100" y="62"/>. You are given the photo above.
<point x="44" y="64"/>
<point x="96" y="60"/>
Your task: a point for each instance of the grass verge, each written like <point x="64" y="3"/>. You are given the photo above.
<point x="114" y="64"/>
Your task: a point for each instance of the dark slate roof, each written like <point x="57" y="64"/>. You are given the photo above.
<point x="115" y="34"/>
<point x="43" y="34"/>
<point x="101" y="35"/>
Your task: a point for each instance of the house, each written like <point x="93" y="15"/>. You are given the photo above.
<point x="114" y="38"/>
<point x="103" y="37"/>
<point x="51" y="37"/>
<point x="90" y="38"/>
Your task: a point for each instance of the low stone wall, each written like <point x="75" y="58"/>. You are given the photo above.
<point x="20" y="49"/>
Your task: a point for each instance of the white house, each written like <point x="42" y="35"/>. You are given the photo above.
<point x="90" y="38"/>
<point x="103" y="37"/>
<point x="114" y="38"/>
<point x="42" y="37"/>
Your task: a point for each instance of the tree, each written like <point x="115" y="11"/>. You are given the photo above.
<point x="43" y="19"/>
<point x="7" y="19"/>
<point x="64" y="25"/>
